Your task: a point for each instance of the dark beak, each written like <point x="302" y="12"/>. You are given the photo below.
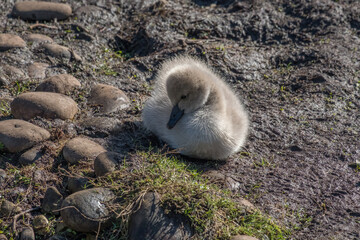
<point x="175" y="116"/>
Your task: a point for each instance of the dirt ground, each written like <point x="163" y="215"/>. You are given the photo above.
<point x="295" y="64"/>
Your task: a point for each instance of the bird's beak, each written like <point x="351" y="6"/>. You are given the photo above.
<point x="175" y="116"/>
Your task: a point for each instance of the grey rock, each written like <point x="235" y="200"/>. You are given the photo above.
<point x="37" y="70"/>
<point x="62" y="83"/>
<point x="27" y="234"/>
<point x="40" y="224"/>
<point x="38" y="10"/>
<point x="101" y="126"/>
<point x="248" y="206"/>
<point x="76" y="184"/>
<point x="8" y="209"/>
<point x="243" y="237"/>
<point x="9" y="41"/>
<point x="52" y="201"/>
<point x="81" y="149"/>
<point x="44" y="104"/>
<point x="18" y="135"/>
<point x="151" y="222"/>
<point x="13" y="72"/>
<point x="38" y="38"/>
<point x="57" y="51"/>
<point x="31" y="155"/>
<point x="90" y="203"/>
<point x="109" y="98"/>
<point x="106" y="162"/>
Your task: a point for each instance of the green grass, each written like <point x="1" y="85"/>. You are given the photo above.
<point x="213" y="213"/>
<point x="5" y="109"/>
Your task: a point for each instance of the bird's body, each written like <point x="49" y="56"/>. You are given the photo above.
<point x="193" y="110"/>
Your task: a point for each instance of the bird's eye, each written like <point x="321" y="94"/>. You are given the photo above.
<point x="183" y="97"/>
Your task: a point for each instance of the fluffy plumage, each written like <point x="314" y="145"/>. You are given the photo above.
<point x="195" y="111"/>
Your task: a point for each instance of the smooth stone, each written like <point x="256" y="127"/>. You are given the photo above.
<point x="106" y="162"/>
<point x="18" y="135"/>
<point x="39" y="10"/>
<point x="3" y="237"/>
<point x="27" y="234"/>
<point x="44" y="104"/>
<point x="9" y="41"/>
<point x="81" y="149"/>
<point x="31" y="155"/>
<point x="151" y="222"/>
<point x="52" y="201"/>
<point x="57" y="51"/>
<point x="40" y="224"/>
<point x="39" y="38"/>
<point x="62" y="83"/>
<point x="12" y="71"/>
<point x="83" y="211"/>
<point x="76" y="184"/>
<point x="37" y="70"/>
<point x="8" y="209"/>
<point x="101" y="126"/>
<point x="110" y="98"/>
<point x="243" y="237"/>
<point x="247" y="205"/>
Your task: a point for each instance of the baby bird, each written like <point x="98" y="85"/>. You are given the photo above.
<point x="195" y="111"/>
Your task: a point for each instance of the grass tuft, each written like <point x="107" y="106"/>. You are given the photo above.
<point x="212" y="212"/>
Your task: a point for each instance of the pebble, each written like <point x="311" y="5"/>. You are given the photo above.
<point x="62" y="83"/>
<point x="109" y="98"/>
<point x="44" y="104"/>
<point x="81" y="149"/>
<point x="247" y="205"/>
<point x="9" y="41"/>
<point x="40" y="224"/>
<point x="31" y="155"/>
<point x="8" y="209"/>
<point x="106" y="162"/>
<point x="151" y="222"/>
<point x="18" y="135"/>
<point x="52" y="201"/>
<point x="76" y="184"/>
<point x="27" y="234"/>
<point x="101" y="126"/>
<point x="243" y="237"/>
<point x="37" y="70"/>
<point x="13" y="72"/>
<point x="57" y="51"/>
<point x="39" y="38"/>
<point x="39" y="10"/>
<point x="90" y="203"/>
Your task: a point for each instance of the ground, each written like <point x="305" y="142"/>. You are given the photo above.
<point x="294" y="64"/>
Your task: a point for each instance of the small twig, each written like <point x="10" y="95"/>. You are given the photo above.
<point x="20" y="214"/>
<point x="41" y="25"/>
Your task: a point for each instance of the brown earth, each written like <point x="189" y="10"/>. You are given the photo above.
<point x="295" y="65"/>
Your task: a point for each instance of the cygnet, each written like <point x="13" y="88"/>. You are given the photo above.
<point x="195" y="111"/>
